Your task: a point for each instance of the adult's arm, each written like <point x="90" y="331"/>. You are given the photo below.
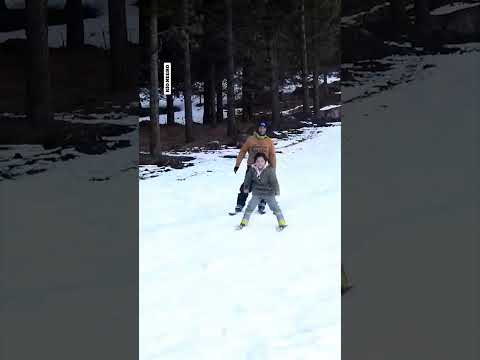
<point x="243" y="151"/>
<point x="273" y="157"/>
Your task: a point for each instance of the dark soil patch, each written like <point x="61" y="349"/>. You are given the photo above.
<point x="174" y="162"/>
<point x="172" y="137"/>
<point x="35" y="171"/>
<point x="99" y="179"/>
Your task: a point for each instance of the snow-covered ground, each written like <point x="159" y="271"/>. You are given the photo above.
<point x="399" y="245"/>
<point x="53" y="162"/>
<point x="401" y="69"/>
<point x="87" y="228"/>
<point x="290" y="86"/>
<point x="210" y="292"/>
<point x="357" y="18"/>
<point x="449" y="8"/>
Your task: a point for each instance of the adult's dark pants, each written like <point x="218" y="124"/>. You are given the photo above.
<point x="242" y="197"/>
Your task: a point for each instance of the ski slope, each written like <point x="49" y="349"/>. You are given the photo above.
<point x="210" y="292"/>
<point x="425" y="138"/>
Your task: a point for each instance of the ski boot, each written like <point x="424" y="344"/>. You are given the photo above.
<point x="281" y="225"/>
<point x="243" y="223"/>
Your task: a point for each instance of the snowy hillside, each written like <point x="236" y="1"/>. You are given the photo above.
<point x="425" y="103"/>
<point x="210" y="292"/>
<point x="456" y="6"/>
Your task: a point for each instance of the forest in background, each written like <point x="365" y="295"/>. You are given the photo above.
<point x="234" y="59"/>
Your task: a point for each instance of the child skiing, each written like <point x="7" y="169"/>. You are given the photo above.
<point x="258" y="142"/>
<point x="261" y="180"/>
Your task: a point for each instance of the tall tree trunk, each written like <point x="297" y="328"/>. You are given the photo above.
<point x="316" y="88"/>
<point x="187" y="91"/>
<point x="211" y="93"/>
<point x="117" y="20"/>
<point x="316" y="53"/>
<point x="206" y="104"/>
<point x="219" y="93"/>
<point x="247" y="91"/>
<point x="274" y="81"/>
<point x="306" y="109"/>
<point x="423" y="21"/>
<point x="400" y="18"/>
<point x="38" y="79"/>
<point x="75" y="28"/>
<point x="144" y="37"/>
<point x="154" y="124"/>
<point x="232" y="128"/>
<point x="170" y="110"/>
<point x="325" y="85"/>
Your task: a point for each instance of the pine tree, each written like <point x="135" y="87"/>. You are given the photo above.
<point x="306" y="107"/>
<point x="155" y="150"/>
<point x="170" y="110"/>
<point x="231" y="123"/>
<point x="75" y="26"/>
<point x="187" y="90"/>
<point x="38" y="78"/>
<point x="274" y="80"/>
<point x="210" y="99"/>
<point x="399" y="16"/>
<point x="219" y="94"/>
<point x="117" y="20"/>
<point x="423" y="22"/>
<point x="315" y="53"/>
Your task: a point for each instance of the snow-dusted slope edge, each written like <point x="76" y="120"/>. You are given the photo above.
<point x="421" y="135"/>
<point x="210" y="292"/>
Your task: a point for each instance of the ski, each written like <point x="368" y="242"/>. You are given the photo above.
<point x="281" y="228"/>
<point x="234" y="213"/>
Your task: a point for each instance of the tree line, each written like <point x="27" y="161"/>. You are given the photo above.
<point x="38" y="86"/>
<point x="254" y="44"/>
<point x="421" y="30"/>
<point x="251" y="44"/>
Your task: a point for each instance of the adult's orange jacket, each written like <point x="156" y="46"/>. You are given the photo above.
<point x="255" y="144"/>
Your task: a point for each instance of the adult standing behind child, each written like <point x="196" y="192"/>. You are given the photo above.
<point x="258" y="142"/>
